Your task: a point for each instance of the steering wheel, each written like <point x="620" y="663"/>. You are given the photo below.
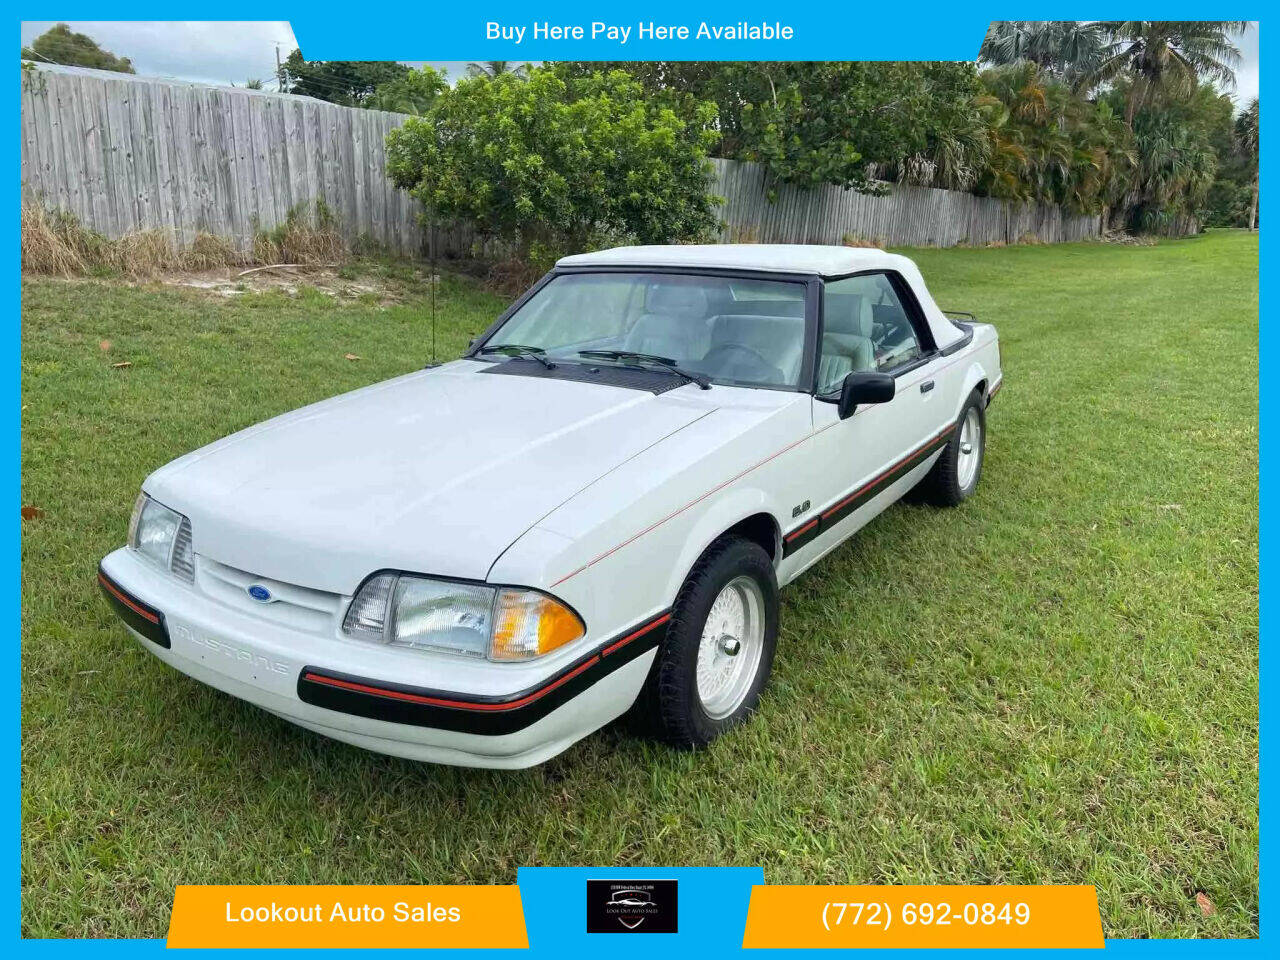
<point x="722" y="358"/>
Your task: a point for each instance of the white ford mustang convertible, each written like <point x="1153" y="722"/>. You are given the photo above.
<point x="590" y="513"/>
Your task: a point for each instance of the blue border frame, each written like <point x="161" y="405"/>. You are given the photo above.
<point x="712" y="900"/>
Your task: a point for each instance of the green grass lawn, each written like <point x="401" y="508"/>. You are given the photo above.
<point x="1055" y="683"/>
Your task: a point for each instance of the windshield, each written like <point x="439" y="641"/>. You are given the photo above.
<point x="728" y="330"/>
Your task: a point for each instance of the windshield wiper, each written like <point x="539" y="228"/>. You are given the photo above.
<point x="519" y="351"/>
<point x="641" y="359"/>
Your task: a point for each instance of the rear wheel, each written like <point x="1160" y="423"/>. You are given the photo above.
<point x="719" y="648"/>
<point x="955" y="474"/>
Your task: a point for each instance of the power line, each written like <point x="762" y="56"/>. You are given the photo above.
<point x="322" y="83"/>
<point x="65" y="46"/>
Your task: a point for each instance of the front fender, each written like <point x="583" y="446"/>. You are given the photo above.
<point x="727" y="510"/>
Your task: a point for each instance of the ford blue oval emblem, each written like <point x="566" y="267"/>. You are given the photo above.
<point x="260" y="593"/>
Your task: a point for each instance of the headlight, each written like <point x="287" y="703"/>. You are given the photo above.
<point x="470" y="619"/>
<point x="163" y="536"/>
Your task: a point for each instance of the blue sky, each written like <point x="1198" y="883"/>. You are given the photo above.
<point x="231" y="51"/>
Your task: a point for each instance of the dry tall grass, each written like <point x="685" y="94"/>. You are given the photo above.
<point x="56" y="242"/>
<point x="309" y="235"/>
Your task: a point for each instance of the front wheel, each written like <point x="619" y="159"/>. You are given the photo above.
<point x="955" y="475"/>
<point x="719" y="648"/>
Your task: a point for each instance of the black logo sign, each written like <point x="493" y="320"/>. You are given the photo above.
<point x="631" y="906"/>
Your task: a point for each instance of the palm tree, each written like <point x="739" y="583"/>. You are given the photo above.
<point x="495" y="68"/>
<point x="1176" y="166"/>
<point x="1166" y="57"/>
<point x="1068" y="49"/>
<point x="1110" y="160"/>
<point x="1049" y="144"/>
<point x="1247" y="141"/>
<point x="1006" y="158"/>
<point x="1032" y="145"/>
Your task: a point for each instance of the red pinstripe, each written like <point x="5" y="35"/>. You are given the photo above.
<point x="391" y="694"/>
<point x="126" y="600"/>
<point x="441" y="701"/>
<point x="880" y="476"/>
<point x="807" y="526"/>
<point x="638" y="633"/>
<point x="691" y="503"/>
<point x="718" y="488"/>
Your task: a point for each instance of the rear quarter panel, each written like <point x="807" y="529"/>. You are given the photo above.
<point x="976" y="365"/>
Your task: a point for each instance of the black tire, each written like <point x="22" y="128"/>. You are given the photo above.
<point x="669" y="707"/>
<point x="941" y="486"/>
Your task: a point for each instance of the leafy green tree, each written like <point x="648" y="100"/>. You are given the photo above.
<point x="549" y="169"/>
<point x="1246" y="129"/>
<point x="496" y="68"/>
<point x="347" y="82"/>
<point x="1107" y="160"/>
<point x="59" y="44"/>
<point x="413" y="93"/>
<point x="1233" y="197"/>
<point x="953" y="146"/>
<point x="829" y="122"/>
<point x="685" y="86"/>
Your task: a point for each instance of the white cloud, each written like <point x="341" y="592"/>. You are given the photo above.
<point x="212" y="51"/>
<point x="1247" y="72"/>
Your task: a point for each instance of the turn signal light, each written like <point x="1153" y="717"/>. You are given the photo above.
<point x="527" y="624"/>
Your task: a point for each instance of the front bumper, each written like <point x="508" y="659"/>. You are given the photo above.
<point x="339" y="688"/>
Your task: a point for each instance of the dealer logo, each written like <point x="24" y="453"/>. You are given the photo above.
<point x="631" y="906"/>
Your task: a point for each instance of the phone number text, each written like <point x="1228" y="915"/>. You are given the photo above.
<point x="940" y="914"/>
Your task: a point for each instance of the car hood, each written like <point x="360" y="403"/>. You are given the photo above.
<point x="435" y="472"/>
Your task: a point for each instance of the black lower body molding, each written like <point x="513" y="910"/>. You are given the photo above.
<point x="141" y="616"/>
<point x="462" y="713"/>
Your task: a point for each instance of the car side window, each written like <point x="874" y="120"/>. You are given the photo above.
<point x="864" y="327"/>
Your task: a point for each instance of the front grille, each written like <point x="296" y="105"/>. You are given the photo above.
<point x="291" y="605"/>
<point x="183" y="561"/>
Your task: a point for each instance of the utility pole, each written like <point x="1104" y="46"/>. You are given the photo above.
<point x="282" y="75"/>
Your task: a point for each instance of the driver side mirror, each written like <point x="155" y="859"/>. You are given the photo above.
<point x="864" y="386"/>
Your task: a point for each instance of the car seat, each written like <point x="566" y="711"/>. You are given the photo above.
<point x="778" y="342"/>
<point x="847" y="346"/>
<point x="674" y="323"/>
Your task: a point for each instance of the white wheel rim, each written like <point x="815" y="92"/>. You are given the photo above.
<point x="730" y="649"/>
<point x="970" y="449"/>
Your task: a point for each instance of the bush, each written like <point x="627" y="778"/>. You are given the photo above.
<point x="548" y="167"/>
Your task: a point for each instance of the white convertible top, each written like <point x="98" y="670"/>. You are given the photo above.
<point x="825" y="261"/>
<point x="780" y="257"/>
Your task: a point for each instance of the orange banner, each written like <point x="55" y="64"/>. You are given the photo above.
<point x="347" y="916"/>
<point x="843" y="917"/>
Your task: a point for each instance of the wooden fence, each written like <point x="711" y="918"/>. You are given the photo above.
<point x="128" y="153"/>
<point x="125" y="153"/>
<point x="906" y="216"/>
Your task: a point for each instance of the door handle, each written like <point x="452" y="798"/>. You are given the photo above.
<point x="926" y="386"/>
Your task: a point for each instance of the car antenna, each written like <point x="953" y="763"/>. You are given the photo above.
<point x="435" y="279"/>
